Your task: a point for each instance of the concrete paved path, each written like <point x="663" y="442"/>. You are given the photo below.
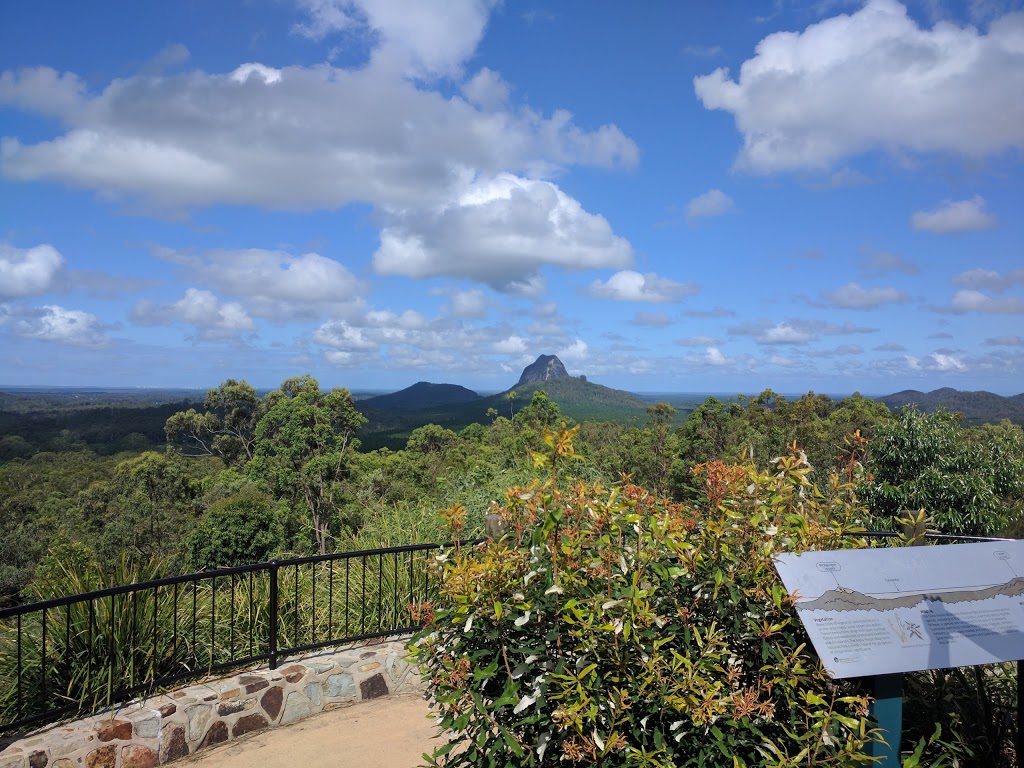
<point x="390" y="732"/>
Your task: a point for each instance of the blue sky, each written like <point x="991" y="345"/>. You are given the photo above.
<point x="669" y="196"/>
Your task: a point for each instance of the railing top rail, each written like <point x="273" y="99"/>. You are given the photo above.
<point x="930" y="536"/>
<point x="169" y="581"/>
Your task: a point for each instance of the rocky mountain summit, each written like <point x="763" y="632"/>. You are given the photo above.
<point x="544" y="368"/>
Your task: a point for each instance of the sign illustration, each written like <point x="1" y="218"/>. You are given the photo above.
<point x="888" y="610"/>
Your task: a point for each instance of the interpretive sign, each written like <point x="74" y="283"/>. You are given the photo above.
<point x="888" y="610"/>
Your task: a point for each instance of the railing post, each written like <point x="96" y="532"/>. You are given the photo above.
<point x="273" y="614"/>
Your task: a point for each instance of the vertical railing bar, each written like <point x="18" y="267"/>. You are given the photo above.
<point x="231" y="642"/>
<point x="156" y="636"/>
<point x="330" y="598"/>
<point x="272" y="639"/>
<point x="213" y="617"/>
<point x="252" y="624"/>
<point x="195" y="614"/>
<point x="21" y="670"/>
<point x="394" y="605"/>
<point x="43" y="658"/>
<point x="412" y="584"/>
<point x="362" y="601"/>
<point x="174" y="626"/>
<point x="380" y="590"/>
<point x="347" y="561"/>
<point x="295" y="608"/>
<point x="111" y="659"/>
<point x="132" y="639"/>
<point x="67" y="634"/>
<point x="88" y="644"/>
<point x="312" y="618"/>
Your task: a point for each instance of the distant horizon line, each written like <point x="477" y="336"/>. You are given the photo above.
<point x="489" y="392"/>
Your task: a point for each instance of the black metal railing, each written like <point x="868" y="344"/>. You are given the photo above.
<point x="82" y="653"/>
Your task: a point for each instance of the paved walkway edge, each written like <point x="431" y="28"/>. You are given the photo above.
<point x="178" y="723"/>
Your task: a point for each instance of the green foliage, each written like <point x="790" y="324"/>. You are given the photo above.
<point x="971" y="706"/>
<point x="303" y="447"/>
<point x="968" y="481"/>
<point x="237" y="530"/>
<point x="226" y="428"/>
<point x="610" y="627"/>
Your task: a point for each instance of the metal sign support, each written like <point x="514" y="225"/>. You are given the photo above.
<point x="887" y="711"/>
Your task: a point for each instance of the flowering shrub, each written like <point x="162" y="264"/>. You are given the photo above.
<point x="609" y="627"/>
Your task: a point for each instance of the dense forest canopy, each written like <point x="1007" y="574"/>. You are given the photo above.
<point x="243" y="476"/>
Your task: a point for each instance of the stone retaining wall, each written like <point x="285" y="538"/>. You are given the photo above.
<point x="175" y="724"/>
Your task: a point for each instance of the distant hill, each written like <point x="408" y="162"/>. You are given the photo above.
<point x="390" y="421"/>
<point x="423" y="394"/>
<point x="977" y="407"/>
<point x="582" y="400"/>
<point x="544" y="368"/>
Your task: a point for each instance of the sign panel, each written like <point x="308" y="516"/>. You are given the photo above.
<point x="883" y="611"/>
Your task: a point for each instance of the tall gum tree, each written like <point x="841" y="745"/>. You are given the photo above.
<point x="303" y="448"/>
<point x="226" y="428"/>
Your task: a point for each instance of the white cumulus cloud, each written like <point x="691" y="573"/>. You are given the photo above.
<point x="213" y="319"/>
<point x="274" y="284"/>
<point x="628" y="285"/>
<point x="500" y="231"/>
<point x="955" y="216"/>
<point x="60" y="325"/>
<point x="874" y="80"/>
<point x="714" y="202"/>
<point x="989" y="280"/>
<point x="976" y="301"/>
<point x="28" y="271"/>
<point x="315" y="137"/>
<point x="853" y="296"/>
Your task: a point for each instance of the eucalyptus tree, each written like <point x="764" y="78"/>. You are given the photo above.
<point x="226" y="428"/>
<point x="303" y="449"/>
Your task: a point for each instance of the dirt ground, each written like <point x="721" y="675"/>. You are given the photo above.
<point x="390" y="732"/>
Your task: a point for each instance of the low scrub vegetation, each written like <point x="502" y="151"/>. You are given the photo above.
<point x="612" y="627"/>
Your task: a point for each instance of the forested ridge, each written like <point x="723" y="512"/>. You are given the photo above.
<point x="243" y="476"/>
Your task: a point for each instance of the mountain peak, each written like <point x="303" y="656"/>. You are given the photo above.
<point x="544" y="368"/>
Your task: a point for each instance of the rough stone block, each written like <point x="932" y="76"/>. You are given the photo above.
<point x="64" y="741"/>
<point x="218" y="733"/>
<point x="374" y="687"/>
<point x="396" y="666"/>
<point x="296" y="707"/>
<point x="168" y="709"/>
<point x="147" y="725"/>
<point x="13" y="761"/>
<point x="321" y="666"/>
<point x="38" y="759"/>
<point x="341" y="686"/>
<point x="138" y="756"/>
<point x="108" y="730"/>
<point x="104" y="757"/>
<point x="252" y="683"/>
<point x="173" y="744"/>
<point x="313" y="694"/>
<point x="271" y="702"/>
<point x="293" y="673"/>
<point x="369" y="667"/>
<point x="226" y="708"/>
<point x="199" y="716"/>
<point x="367" y="654"/>
<point x="63" y="763"/>
<point x="248" y="724"/>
